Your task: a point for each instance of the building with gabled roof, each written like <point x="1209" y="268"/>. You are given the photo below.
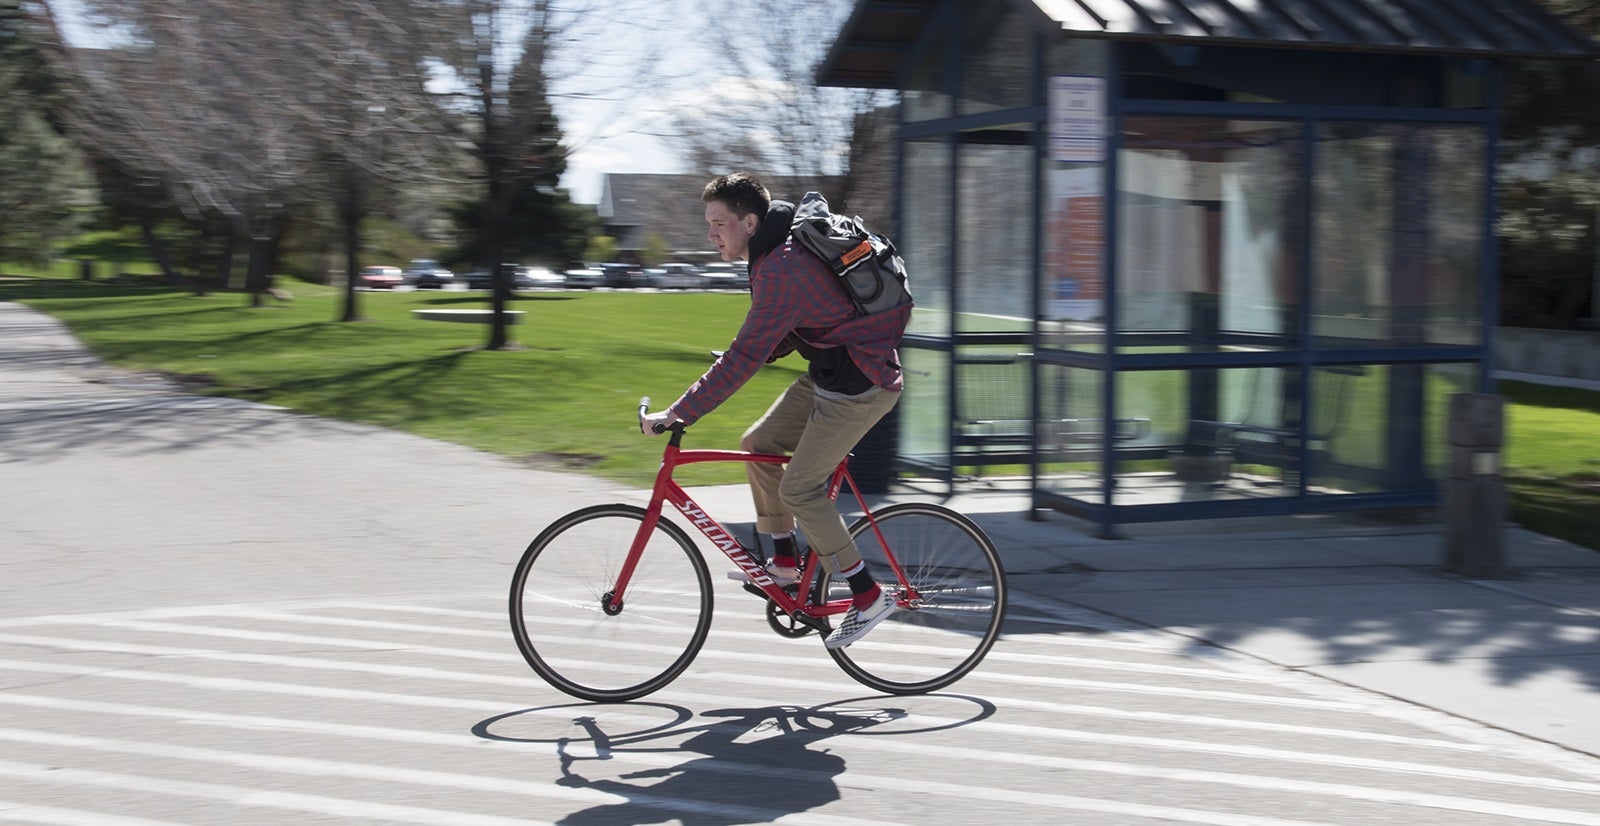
<point x="636" y="206"/>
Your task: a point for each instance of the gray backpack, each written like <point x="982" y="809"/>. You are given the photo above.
<point x="873" y="274"/>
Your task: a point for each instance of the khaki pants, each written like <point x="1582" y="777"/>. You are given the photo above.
<point x="819" y="432"/>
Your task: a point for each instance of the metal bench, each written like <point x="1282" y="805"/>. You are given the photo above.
<point x="994" y="415"/>
<point x="1273" y="420"/>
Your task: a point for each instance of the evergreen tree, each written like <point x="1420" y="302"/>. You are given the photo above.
<point x="1550" y="190"/>
<point x="44" y="186"/>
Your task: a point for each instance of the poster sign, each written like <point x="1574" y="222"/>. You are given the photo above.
<point x="1077" y="118"/>
<point x="1074" y="263"/>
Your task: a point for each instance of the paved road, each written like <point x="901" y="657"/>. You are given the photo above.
<point x="412" y="708"/>
<point x="218" y="613"/>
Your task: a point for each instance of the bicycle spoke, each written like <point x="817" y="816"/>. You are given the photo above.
<point x="572" y="642"/>
<point x="958" y="599"/>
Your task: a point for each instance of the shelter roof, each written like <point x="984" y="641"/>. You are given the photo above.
<point x="877" y="39"/>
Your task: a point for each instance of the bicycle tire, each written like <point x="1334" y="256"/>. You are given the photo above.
<point x="953" y="565"/>
<point x="560" y="584"/>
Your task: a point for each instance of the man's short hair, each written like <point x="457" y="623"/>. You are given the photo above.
<point x="741" y="192"/>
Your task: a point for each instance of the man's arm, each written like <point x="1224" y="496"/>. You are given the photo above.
<point x="772" y="315"/>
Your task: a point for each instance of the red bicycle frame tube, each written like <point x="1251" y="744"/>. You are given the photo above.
<point x="666" y="489"/>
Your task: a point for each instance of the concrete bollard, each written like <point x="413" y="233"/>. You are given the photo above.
<point x="1475" y="494"/>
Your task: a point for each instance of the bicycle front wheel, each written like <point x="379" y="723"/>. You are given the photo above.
<point x="560" y="605"/>
<point x="952" y="613"/>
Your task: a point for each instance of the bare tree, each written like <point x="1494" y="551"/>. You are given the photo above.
<point x="191" y="99"/>
<point x="767" y="114"/>
<point x="362" y="94"/>
<point x="501" y="60"/>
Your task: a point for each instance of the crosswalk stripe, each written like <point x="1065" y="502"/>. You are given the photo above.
<point x="741" y="656"/>
<point x="314" y="767"/>
<point x="1011" y="732"/>
<point x="997" y="655"/>
<point x="997" y="674"/>
<point x="419" y="672"/>
<point x="259" y="798"/>
<point x="720" y="810"/>
<point x="13" y="812"/>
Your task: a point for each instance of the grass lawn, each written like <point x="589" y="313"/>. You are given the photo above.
<point x="568" y="397"/>
<point x="1552" y="460"/>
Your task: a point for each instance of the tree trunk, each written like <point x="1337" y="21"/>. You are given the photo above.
<point x="350" y="210"/>
<point x="158" y="250"/>
<point x="499" y="328"/>
<point x="230" y="239"/>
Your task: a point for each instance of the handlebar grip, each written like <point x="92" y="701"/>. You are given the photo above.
<point x="644" y="407"/>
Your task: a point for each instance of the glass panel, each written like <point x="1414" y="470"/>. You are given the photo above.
<point x="1444" y="381"/>
<point x="925" y="96"/>
<point x="1209" y="229"/>
<point x="925" y="234"/>
<point x="1381" y="443"/>
<point x="1240" y="432"/>
<point x="1069" y="450"/>
<point x="924" y="408"/>
<point x="996" y="58"/>
<point x="994" y="402"/>
<point x="1398" y="241"/>
<point x="995" y="277"/>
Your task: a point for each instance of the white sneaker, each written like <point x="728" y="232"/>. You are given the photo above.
<point x="857" y="622"/>
<point x="784" y="576"/>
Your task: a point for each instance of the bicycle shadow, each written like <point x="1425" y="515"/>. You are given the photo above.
<point x="748" y="764"/>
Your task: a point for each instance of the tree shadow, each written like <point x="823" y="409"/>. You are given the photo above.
<point x="1359" y="601"/>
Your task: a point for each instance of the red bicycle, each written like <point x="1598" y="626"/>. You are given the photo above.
<point x="613" y="602"/>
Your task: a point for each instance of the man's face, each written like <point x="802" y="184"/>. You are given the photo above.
<point x="730" y="233"/>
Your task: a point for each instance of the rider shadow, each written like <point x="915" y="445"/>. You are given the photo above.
<point x="756" y="765"/>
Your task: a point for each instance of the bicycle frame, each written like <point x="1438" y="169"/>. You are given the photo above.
<point x="667" y="490"/>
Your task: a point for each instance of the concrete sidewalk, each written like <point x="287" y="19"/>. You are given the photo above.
<point x="1359" y="601"/>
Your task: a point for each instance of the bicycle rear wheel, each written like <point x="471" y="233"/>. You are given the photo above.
<point x="575" y="644"/>
<point x="954" y="616"/>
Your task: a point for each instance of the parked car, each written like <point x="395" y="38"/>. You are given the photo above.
<point x="380" y="278"/>
<point x="726" y="276"/>
<point x="425" y="272"/>
<point x="676" y="277"/>
<point x="483" y="279"/>
<point x="584" y="277"/>
<point x="534" y="277"/>
<point x="623" y="276"/>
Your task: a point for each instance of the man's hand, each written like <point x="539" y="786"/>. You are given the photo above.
<point x="665" y="419"/>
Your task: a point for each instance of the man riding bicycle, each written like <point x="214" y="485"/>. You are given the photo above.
<point x="853" y="380"/>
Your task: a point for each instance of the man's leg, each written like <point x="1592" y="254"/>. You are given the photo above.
<point x="834" y="428"/>
<point x="831" y="432"/>
<point x="778" y="431"/>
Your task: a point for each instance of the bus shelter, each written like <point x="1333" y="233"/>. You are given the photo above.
<point x="1180" y="259"/>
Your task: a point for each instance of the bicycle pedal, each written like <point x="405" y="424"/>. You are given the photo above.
<point x="793" y="590"/>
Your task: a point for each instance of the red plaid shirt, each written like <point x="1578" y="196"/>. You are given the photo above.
<point x="792" y="290"/>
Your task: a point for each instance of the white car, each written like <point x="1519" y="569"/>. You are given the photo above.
<point x="585" y="278"/>
<point x="677" y="277"/>
<point x="532" y="277"/>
